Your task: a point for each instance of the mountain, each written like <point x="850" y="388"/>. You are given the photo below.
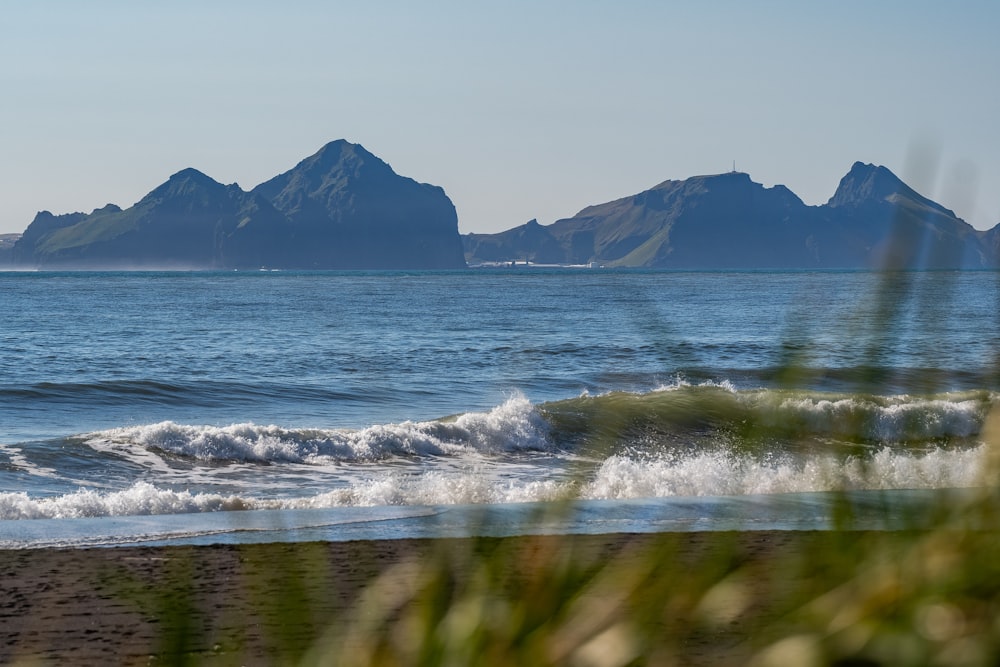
<point x="349" y="208"/>
<point x="890" y="225"/>
<point x="529" y="241"/>
<point x="191" y="221"/>
<point x="729" y="221"/>
<point x="342" y="208"/>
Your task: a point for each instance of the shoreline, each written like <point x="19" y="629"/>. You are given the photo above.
<point x="277" y="602"/>
<point x="797" y="511"/>
<point x="695" y="598"/>
<point x="757" y="597"/>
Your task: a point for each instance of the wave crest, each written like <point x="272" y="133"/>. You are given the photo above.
<point x="513" y="426"/>
<point x="141" y="499"/>
<point x="721" y="414"/>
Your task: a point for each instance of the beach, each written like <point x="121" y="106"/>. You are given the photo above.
<point x="311" y="468"/>
<point x="756" y="598"/>
<point x="283" y="603"/>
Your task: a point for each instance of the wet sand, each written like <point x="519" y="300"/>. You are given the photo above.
<point x="273" y="603"/>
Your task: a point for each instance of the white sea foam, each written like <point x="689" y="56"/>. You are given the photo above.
<point x="515" y="425"/>
<point x="679" y="384"/>
<point x="18" y="459"/>
<point x="140" y="499"/>
<point x="721" y="473"/>
<point x="471" y="473"/>
<point x="715" y="473"/>
<point x="434" y="488"/>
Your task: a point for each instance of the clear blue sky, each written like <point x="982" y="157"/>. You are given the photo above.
<point x="519" y="109"/>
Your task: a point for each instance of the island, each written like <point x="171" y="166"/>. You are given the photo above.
<point x="341" y="208"/>
<point x="727" y="221"/>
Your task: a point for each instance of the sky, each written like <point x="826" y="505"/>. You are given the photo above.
<point x="518" y="109"/>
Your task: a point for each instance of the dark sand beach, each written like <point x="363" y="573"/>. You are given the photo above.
<point x="274" y="603"/>
<point x="709" y="598"/>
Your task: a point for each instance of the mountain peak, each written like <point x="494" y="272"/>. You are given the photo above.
<point x="339" y="147"/>
<point x="191" y="174"/>
<point x="333" y="165"/>
<point x="865" y="182"/>
<point x="184" y="184"/>
<point x="328" y="178"/>
<point x="736" y="184"/>
<point x="339" y="153"/>
<point x="869" y="182"/>
<point x="727" y="178"/>
<point x="730" y="176"/>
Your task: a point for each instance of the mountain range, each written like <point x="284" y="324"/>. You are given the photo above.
<point x="342" y="208"/>
<point x="724" y="221"/>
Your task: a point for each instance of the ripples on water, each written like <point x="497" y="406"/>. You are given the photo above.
<point x="125" y="394"/>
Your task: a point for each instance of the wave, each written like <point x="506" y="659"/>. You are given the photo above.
<point x="709" y="439"/>
<point x="513" y="426"/>
<point x="135" y="390"/>
<point x="617" y="478"/>
<point x="205" y="393"/>
<point x="688" y="416"/>
<point x="727" y="474"/>
<point x="141" y="499"/>
<point x="721" y="413"/>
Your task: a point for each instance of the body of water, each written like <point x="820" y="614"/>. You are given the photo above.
<point x="239" y="406"/>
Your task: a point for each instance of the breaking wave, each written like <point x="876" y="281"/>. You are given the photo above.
<point x="700" y="415"/>
<point x="513" y="426"/>
<point x="617" y="478"/>
<point x="684" y="411"/>
<point x="680" y="440"/>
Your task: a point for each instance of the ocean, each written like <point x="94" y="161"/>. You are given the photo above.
<point x="200" y="407"/>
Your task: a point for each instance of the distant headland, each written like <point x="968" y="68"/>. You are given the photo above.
<point x="344" y="208"/>
<point x="727" y="221"/>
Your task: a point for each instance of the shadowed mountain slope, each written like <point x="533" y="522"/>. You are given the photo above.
<point x="350" y="208"/>
<point x="728" y="221"/>
<point x="342" y="208"/>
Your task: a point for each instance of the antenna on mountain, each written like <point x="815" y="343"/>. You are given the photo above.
<point x="734" y="166"/>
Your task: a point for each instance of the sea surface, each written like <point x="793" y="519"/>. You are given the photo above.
<point x="249" y="406"/>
